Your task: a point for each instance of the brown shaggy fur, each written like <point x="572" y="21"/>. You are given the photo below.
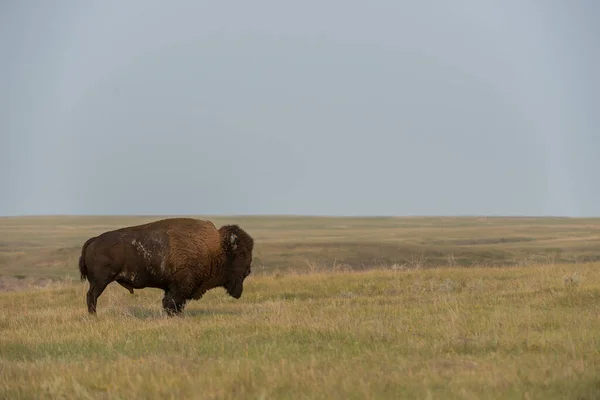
<point x="183" y="256"/>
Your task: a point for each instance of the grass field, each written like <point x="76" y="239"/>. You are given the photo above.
<point x="327" y="316"/>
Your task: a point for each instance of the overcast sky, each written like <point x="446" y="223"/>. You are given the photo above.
<point x="314" y="107"/>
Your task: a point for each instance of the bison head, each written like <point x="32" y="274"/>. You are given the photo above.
<point x="238" y="246"/>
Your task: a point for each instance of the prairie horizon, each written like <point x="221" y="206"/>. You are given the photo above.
<point x="48" y="247"/>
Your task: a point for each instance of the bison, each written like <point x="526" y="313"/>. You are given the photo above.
<point x="185" y="257"/>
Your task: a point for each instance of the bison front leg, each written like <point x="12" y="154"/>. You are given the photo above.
<point x="173" y="303"/>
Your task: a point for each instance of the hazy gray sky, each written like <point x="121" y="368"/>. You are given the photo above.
<point x="313" y="107"/>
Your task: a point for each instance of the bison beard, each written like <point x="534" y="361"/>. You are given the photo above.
<point x="236" y="286"/>
<point x="183" y="256"/>
<point x="235" y="289"/>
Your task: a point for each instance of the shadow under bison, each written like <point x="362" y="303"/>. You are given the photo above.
<point x="185" y="257"/>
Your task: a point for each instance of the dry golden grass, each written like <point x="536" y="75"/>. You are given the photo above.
<point x="500" y="333"/>
<point x="308" y="327"/>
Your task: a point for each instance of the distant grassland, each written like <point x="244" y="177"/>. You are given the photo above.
<point x="336" y="308"/>
<point x="48" y="247"/>
<point x="449" y="333"/>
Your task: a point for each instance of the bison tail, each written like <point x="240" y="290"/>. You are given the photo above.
<point x="82" y="265"/>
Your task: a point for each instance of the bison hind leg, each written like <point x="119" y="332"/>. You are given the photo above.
<point x="93" y="293"/>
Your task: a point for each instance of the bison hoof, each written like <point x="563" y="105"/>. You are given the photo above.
<point x="173" y="313"/>
<point x="172" y="307"/>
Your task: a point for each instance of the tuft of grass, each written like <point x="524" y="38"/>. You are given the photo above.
<point x="572" y="280"/>
<point x="499" y="333"/>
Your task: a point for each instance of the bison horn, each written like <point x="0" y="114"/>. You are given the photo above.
<point x="233" y="240"/>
